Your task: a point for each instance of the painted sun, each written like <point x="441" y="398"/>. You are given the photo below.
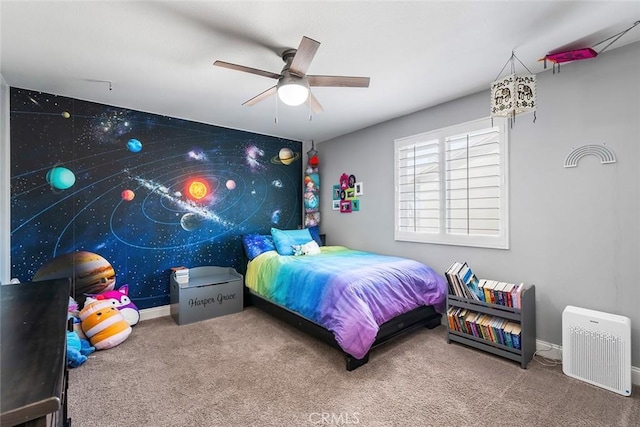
<point x="197" y="189"/>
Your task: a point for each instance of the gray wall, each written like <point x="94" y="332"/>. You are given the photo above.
<point x="574" y="232"/>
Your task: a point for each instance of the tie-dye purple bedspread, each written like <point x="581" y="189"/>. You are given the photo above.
<point x="349" y="292"/>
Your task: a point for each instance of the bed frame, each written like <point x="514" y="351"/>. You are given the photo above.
<point x="424" y="316"/>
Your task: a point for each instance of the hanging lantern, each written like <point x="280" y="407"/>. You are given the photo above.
<point x="513" y="94"/>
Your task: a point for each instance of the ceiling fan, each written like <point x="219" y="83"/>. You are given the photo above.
<point x="293" y="87"/>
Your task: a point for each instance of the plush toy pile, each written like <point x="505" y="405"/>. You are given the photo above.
<point x="104" y="322"/>
<point x="120" y="299"/>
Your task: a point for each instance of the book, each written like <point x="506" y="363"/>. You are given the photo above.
<point x="517" y="293"/>
<point x="481" y="284"/>
<point x="507" y="294"/>
<point x="465" y="292"/>
<point x="180" y="274"/>
<point x="499" y="295"/>
<point x="515" y="335"/>
<point x="473" y="285"/>
<point x="469" y="282"/>
<point x="500" y="324"/>
<point x="451" y="275"/>
<point x="451" y="313"/>
<point x="471" y="319"/>
<point x="489" y="295"/>
<point x="488" y="284"/>
<point x="507" y="334"/>
<point x="447" y="275"/>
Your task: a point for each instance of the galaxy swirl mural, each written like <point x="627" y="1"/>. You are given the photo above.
<point x="143" y="191"/>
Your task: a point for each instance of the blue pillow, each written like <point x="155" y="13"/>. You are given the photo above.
<point x="255" y="244"/>
<point x="315" y="234"/>
<point x="285" y="240"/>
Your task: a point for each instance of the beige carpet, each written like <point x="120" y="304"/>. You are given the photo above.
<point x="249" y="369"/>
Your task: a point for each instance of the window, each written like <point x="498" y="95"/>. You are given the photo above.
<point x="451" y="185"/>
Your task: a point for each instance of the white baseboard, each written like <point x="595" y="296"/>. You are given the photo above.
<point x="553" y="351"/>
<point x="155" y="312"/>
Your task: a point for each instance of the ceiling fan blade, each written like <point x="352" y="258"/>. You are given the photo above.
<point x="315" y="105"/>
<point x="267" y="93"/>
<point x="250" y="70"/>
<point x="338" y="81"/>
<point x="303" y="57"/>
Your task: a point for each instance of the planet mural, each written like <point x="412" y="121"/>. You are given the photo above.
<point x="285" y="156"/>
<point x="66" y="114"/>
<point x="144" y="237"/>
<point x="60" y="178"/>
<point x="90" y="273"/>
<point x="134" y="145"/>
<point x="231" y="185"/>
<point x="190" y="221"/>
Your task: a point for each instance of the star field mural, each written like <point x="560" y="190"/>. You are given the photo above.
<point x="146" y="192"/>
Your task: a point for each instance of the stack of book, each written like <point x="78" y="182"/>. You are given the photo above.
<point x="491" y="328"/>
<point x="464" y="283"/>
<point x="502" y="293"/>
<point x="181" y="274"/>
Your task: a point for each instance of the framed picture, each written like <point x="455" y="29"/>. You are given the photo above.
<point x="336" y="205"/>
<point x="355" y="205"/>
<point x="345" y="206"/>
<point x="336" y="192"/>
<point x="352" y="181"/>
<point x="359" y="189"/>
<point x="350" y="194"/>
<point x="344" y="181"/>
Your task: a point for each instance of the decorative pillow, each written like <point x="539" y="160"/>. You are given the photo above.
<point x="285" y="240"/>
<point x="315" y="234"/>
<point x="311" y="248"/>
<point x="255" y="244"/>
<point x="103" y="324"/>
<point x="120" y="299"/>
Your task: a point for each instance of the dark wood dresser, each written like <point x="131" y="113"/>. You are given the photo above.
<point x="33" y="374"/>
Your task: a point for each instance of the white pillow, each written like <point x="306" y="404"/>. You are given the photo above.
<point x="311" y="248"/>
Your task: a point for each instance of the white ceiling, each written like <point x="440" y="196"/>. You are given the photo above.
<point x="158" y="56"/>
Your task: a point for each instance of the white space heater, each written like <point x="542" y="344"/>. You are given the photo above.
<point x="596" y="348"/>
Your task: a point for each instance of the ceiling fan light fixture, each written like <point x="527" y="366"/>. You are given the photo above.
<point x="293" y="90"/>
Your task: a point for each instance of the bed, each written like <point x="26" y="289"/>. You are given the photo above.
<point x="353" y="300"/>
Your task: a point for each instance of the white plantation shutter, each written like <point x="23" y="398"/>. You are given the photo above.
<point x="451" y="185"/>
<point x="419" y="187"/>
<point x="473" y="183"/>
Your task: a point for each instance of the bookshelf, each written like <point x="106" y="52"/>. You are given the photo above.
<point x="524" y="317"/>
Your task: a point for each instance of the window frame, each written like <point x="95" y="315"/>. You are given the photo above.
<point x="499" y="241"/>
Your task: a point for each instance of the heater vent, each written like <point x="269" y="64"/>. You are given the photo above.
<point x="596" y="348"/>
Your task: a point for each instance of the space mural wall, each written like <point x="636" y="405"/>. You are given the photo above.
<point x="143" y="191"/>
